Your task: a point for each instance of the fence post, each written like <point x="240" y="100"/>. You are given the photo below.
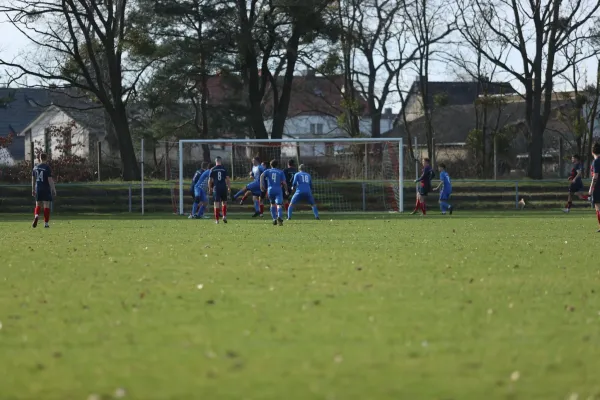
<point x="517" y="195"/>
<point x="366" y="174"/>
<point x="364" y="196"/>
<point x="401" y="175"/>
<point x="495" y="159"/>
<point x="130" y="208"/>
<point x="416" y="163"/>
<point x="32" y="153"/>
<point x="99" y="159"/>
<point x="232" y="161"/>
<point x="167" y="159"/>
<point x="142" y="172"/>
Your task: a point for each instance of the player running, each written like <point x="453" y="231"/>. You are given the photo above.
<point x="576" y="182"/>
<point x="43" y="190"/>
<point x="289" y="172"/>
<point x="200" y="198"/>
<point x="302" y="183"/>
<point x="220" y="185"/>
<point x="594" y="191"/>
<point x="424" y="187"/>
<point x="446" y="191"/>
<point x="273" y="179"/>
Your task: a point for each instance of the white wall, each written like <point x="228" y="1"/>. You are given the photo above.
<point x="5" y="158"/>
<point x="80" y="137"/>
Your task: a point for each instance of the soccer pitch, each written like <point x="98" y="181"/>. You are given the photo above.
<point x="381" y="306"/>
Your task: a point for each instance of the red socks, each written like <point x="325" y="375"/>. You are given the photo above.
<point x="598" y="216"/>
<point x="286" y="206"/>
<point x="417" y="206"/>
<point x="245" y="196"/>
<point x="46" y="215"/>
<point x="424" y="208"/>
<point x="224" y="211"/>
<point x="261" y="208"/>
<point x="217" y="215"/>
<point x="36" y="212"/>
<point x="569" y="204"/>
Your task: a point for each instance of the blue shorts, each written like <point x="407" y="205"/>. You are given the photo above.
<point x="199" y="195"/>
<point x="219" y="194"/>
<point x="576" y="186"/>
<point x="445" y="195"/>
<point x="308" y="197"/>
<point x="275" y="196"/>
<point x="43" y="195"/>
<point x="254" y="187"/>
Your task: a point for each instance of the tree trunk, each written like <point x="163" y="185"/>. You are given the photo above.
<point x="129" y="165"/>
<point x="536" y="148"/>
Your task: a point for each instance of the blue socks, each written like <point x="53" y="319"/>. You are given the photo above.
<point x="194" y="208"/>
<point x="444" y="206"/>
<point x="315" y="211"/>
<point x="240" y="193"/>
<point x="290" y="211"/>
<point x="256" y="205"/>
<point x="280" y="211"/>
<point x="202" y="208"/>
<point x="274" y="212"/>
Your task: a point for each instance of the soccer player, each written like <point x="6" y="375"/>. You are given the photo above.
<point x="289" y="172"/>
<point x="424" y="187"/>
<point x="576" y="182"/>
<point x="273" y="179"/>
<point x="594" y="191"/>
<point x="220" y="185"/>
<point x="43" y="190"/>
<point x="446" y="191"/>
<point x="253" y="188"/>
<point x="302" y="183"/>
<point x="198" y="192"/>
<point x="200" y="198"/>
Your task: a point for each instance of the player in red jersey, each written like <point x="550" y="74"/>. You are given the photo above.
<point x="43" y="189"/>
<point x="594" y="191"/>
<point x="424" y="187"/>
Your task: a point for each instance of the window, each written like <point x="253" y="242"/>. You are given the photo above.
<point x="67" y="143"/>
<point x="316" y="129"/>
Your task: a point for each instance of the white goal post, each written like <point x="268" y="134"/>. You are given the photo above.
<point x="393" y="159"/>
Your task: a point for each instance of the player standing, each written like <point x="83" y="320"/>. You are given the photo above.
<point x="289" y="172"/>
<point x="220" y="185"/>
<point x="42" y="189"/>
<point x="200" y="198"/>
<point x="446" y="191"/>
<point x="424" y="187"/>
<point x="302" y="183"/>
<point x="273" y="179"/>
<point x="594" y="191"/>
<point x="197" y="192"/>
<point x="576" y="182"/>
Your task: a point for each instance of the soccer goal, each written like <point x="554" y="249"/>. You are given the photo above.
<point x="349" y="175"/>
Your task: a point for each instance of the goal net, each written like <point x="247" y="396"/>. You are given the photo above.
<point x="349" y="175"/>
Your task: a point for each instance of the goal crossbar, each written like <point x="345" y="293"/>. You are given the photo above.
<point x="298" y="140"/>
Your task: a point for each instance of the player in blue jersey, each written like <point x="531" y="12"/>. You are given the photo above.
<point x="272" y="181"/>
<point x="302" y="183"/>
<point x="446" y="189"/>
<point x="424" y="187"/>
<point x="289" y="172"/>
<point x="575" y="182"/>
<point x="220" y="185"/>
<point x="253" y="188"/>
<point x="200" y="188"/>
<point x="42" y="189"/>
<point x="594" y="191"/>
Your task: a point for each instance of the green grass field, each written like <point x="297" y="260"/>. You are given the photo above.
<point x="473" y="306"/>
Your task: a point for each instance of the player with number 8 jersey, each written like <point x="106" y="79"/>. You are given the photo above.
<point x="220" y="186"/>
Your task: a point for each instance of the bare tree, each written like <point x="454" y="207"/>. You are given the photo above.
<point x="81" y="44"/>
<point x="537" y="32"/>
